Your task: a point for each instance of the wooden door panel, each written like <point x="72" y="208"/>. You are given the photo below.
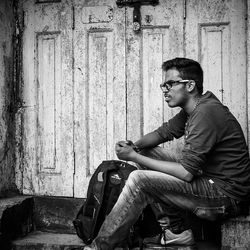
<point x="100" y="95"/>
<point x="160" y="39"/>
<point x="99" y="103"/>
<point x="221" y="49"/>
<point x="47" y="95"/>
<point x="214" y="53"/>
<point x="155" y="47"/>
<point x="49" y="108"/>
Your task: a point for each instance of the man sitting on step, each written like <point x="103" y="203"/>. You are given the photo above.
<point x="210" y="178"/>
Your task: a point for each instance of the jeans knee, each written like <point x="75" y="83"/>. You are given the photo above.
<point x="136" y="178"/>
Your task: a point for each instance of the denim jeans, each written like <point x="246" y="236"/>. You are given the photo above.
<point x="169" y="197"/>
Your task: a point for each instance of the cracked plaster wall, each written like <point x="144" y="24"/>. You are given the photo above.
<point x="7" y="129"/>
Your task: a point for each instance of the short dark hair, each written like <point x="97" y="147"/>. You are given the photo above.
<point x="188" y="68"/>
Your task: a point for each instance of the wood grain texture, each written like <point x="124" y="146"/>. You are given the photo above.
<point x="48" y="117"/>
<point x="248" y="70"/>
<point x="161" y="39"/>
<point x="90" y="80"/>
<point x="221" y="50"/>
<point x="99" y="88"/>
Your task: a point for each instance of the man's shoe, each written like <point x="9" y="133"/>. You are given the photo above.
<point x="92" y="246"/>
<point x="167" y="238"/>
<point x="88" y="248"/>
<point x="185" y="238"/>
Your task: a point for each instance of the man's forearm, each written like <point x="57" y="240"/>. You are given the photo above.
<point x="149" y="140"/>
<point x="171" y="168"/>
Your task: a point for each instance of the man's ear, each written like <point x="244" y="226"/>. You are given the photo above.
<point x="191" y="85"/>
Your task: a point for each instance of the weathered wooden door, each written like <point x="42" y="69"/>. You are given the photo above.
<point x="117" y="77"/>
<point x="100" y="86"/>
<point x="160" y="39"/>
<point x="211" y="32"/>
<point x="216" y="36"/>
<point x="74" y="92"/>
<point x="47" y="161"/>
<point x="90" y="80"/>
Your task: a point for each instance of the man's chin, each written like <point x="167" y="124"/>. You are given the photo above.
<point x="171" y="105"/>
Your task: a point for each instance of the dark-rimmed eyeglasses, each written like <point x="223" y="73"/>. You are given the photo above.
<point x="166" y="86"/>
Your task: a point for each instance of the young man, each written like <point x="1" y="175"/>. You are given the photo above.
<point x="210" y="179"/>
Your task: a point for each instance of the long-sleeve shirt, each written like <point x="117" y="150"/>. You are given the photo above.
<point x="214" y="146"/>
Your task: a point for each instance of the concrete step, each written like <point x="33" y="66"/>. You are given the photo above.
<point x="236" y="234"/>
<point x="20" y="215"/>
<point x="52" y="241"/>
<point x="16" y="218"/>
<point x="47" y="241"/>
<point x="23" y="214"/>
<point x="55" y="214"/>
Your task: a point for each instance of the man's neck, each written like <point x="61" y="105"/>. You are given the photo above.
<point x="192" y="103"/>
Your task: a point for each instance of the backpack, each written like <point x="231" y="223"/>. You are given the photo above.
<point x="104" y="189"/>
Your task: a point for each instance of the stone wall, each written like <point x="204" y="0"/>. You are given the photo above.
<point x="7" y="100"/>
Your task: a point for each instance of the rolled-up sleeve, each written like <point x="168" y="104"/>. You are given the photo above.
<point x="174" y="128"/>
<point x="199" y="141"/>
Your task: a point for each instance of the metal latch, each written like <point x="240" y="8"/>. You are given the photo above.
<point x="137" y="10"/>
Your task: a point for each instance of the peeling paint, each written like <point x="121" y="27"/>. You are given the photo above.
<point x="10" y="76"/>
<point x="7" y="110"/>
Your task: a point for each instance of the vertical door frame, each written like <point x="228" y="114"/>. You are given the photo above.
<point x="248" y="69"/>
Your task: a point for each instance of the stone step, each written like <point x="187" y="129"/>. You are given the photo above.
<point x="48" y="241"/>
<point x="236" y="233"/>
<point x="16" y="218"/>
<point x="19" y="215"/>
<point x="23" y="214"/>
<point x="52" y="241"/>
<point x="55" y="214"/>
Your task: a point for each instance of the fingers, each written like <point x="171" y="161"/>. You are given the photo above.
<point x="130" y="143"/>
<point x="123" y="148"/>
<point x="127" y="142"/>
<point x="119" y="146"/>
<point x="122" y="143"/>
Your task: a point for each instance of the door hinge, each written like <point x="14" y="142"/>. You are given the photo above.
<point x="184" y="9"/>
<point x="74" y="162"/>
<point x="137" y="9"/>
<point x="73" y="17"/>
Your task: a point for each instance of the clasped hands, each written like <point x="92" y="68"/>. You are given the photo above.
<point x="125" y="150"/>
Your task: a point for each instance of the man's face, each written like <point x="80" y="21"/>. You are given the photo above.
<point x="177" y="96"/>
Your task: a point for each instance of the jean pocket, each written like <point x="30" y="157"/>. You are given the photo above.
<point x="210" y="213"/>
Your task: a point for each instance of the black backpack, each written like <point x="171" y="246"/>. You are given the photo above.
<point x="104" y="189"/>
